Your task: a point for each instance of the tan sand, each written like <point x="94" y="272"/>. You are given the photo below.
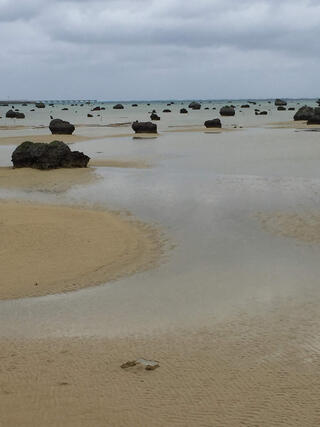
<point x="293" y="125"/>
<point x="303" y="227"/>
<point x="68" y="139"/>
<point x="262" y="371"/>
<point x="50" y="249"/>
<point x="56" y="180"/>
<point x="113" y="163"/>
<point x="177" y="129"/>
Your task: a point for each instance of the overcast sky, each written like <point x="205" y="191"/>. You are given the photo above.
<point x="159" y="49"/>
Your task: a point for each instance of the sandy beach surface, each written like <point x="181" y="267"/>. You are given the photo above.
<point x="214" y="274"/>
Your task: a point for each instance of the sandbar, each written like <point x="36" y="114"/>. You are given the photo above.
<point x="48" y="249"/>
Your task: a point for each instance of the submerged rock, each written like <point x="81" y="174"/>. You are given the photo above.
<point x="47" y="156"/>
<point x="144" y="127"/>
<point x="60" y="127"/>
<point x="227" y="111"/>
<point x="215" y="123"/>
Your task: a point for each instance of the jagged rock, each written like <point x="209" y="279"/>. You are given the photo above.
<point x="47" y="156"/>
<point x="60" y="127"/>
<point x="304" y="113"/>
<point x="195" y="105"/>
<point x="144" y="127"/>
<point x="183" y="111"/>
<point x="280" y="102"/>
<point x="227" y="111"/>
<point x="118" y="107"/>
<point x="215" y="123"/>
<point x="40" y="105"/>
<point x="154" y="116"/>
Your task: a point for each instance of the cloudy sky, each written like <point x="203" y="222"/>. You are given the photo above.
<point x="159" y="49"/>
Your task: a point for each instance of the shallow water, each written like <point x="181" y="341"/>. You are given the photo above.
<point x="204" y="191"/>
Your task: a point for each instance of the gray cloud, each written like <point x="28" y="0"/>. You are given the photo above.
<point x="150" y="48"/>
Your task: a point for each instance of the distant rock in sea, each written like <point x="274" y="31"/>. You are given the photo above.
<point x="280" y="102"/>
<point x="96" y="109"/>
<point x="61" y="127"/>
<point x="166" y="110"/>
<point x="47" y="156"/>
<point x="227" y="111"/>
<point x="144" y="127"/>
<point x="118" y="107"/>
<point x="154" y="116"/>
<point x="245" y="106"/>
<point x="40" y="105"/>
<point x="195" y="105"/>
<point x="14" y="115"/>
<point x="280" y="108"/>
<point x="215" y="123"/>
<point x="183" y="111"/>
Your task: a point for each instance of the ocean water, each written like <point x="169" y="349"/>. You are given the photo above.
<point x="204" y="191"/>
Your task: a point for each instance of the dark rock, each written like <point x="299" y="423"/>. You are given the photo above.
<point x="227" y="111"/>
<point x="33" y="109"/>
<point x="315" y="119"/>
<point x="96" y="109"/>
<point x="118" y="107"/>
<point x="47" y="156"/>
<point x="144" y="127"/>
<point x="215" y="123"/>
<point x="40" y="105"/>
<point x="60" y="127"/>
<point x="183" y="111"/>
<point x="279" y="102"/>
<point x="304" y="113"/>
<point x="207" y="108"/>
<point x="281" y="108"/>
<point x="64" y="109"/>
<point x="166" y="110"/>
<point x="195" y="105"/>
<point x="20" y="116"/>
<point x="24" y="105"/>
<point x="11" y="114"/>
<point x="245" y="106"/>
<point x="291" y="109"/>
<point x="89" y="115"/>
<point x="154" y="116"/>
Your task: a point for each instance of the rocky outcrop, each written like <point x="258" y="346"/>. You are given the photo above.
<point x="215" y="123"/>
<point x="47" y="156"/>
<point x="304" y="113"/>
<point x="144" y="127"/>
<point x="118" y="107"/>
<point x="280" y="102"/>
<point x="227" y="110"/>
<point x="60" y="127"/>
<point x="195" y="105"/>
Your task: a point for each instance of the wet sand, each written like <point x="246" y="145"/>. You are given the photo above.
<point x="59" y="248"/>
<point x="299" y="124"/>
<point x="262" y="371"/>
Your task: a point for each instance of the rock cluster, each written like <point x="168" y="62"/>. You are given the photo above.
<point x="47" y="156"/>
<point x="14" y="115"/>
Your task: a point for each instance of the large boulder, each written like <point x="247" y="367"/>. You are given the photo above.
<point x="20" y="115"/>
<point x="11" y="114"/>
<point x="304" y="113"/>
<point x="195" y="105"/>
<point x="39" y="155"/>
<point x="40" y="105"/>
<point x="144" y="127"/>
<point x="227" y="110"/>
<point x="60" y="127"/>
<point x="315" y="119"/>
<point x="215" y="123"/>
<point x="279" y="102"/>
<point x="118" y="107"/>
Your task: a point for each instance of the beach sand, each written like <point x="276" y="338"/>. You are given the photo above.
<point x="262" y="371"/>
<point x="299" y="124"/>
<point x="60" y="248"/>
